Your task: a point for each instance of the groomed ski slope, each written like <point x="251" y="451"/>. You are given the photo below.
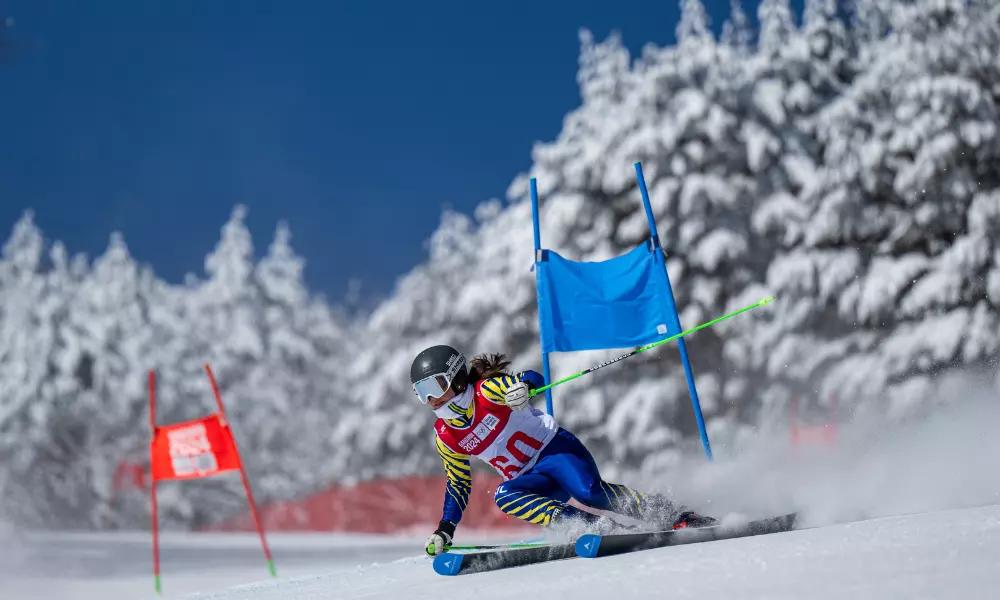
<point x="953" y="553"/>
<point x="932" y="482"/>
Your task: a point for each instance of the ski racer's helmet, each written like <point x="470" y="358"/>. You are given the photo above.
<point x="435" y="370"/>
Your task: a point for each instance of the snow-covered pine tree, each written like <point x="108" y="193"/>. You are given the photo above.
<point x="77" y="342"/>
<point x="693" y="25"/>
<point x="886" y="283"/>
<point x="776" y="26"/>
<point x="297" y="382"/>
<point x="870" y="21"/>
<point x="27" y="341"/>
<point x="736" y="31"/>
<point x="104" y="341"/>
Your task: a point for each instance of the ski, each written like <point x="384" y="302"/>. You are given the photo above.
<point x="593" y="546"/>
<point x="459" y="563"/>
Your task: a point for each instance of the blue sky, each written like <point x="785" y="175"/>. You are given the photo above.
<point x="354" y="122"/>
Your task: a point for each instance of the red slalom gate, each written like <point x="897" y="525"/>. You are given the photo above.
<point x="193" y="450"/>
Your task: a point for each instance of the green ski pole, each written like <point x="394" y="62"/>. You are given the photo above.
<point x="498" y="546"/>
<point x="762" y="302"/>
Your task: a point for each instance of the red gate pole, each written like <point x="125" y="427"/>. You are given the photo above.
<point x="152" y="485"/>
<point x="243" y="475"/>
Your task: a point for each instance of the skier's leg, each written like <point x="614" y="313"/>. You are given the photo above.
<point x="571" y="465"/>
<point x="537" y="498"/>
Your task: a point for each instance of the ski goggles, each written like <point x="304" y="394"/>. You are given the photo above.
<point x="434" y="386"/>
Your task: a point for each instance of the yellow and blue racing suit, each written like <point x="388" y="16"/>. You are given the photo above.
<point x="564" y="469"/>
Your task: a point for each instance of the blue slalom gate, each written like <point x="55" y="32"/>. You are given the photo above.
<point x="622" y="302"/>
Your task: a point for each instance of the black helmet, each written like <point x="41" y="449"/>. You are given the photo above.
<point x="435" y="370"/>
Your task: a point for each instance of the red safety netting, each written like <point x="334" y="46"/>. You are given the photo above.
<point x="402" y="505"/>
<point x="822" y="433"/>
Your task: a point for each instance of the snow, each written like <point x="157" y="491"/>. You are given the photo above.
<point x="934" y="554"/>
<point x="718" y="247"/>
<point x="768" y="96"/>
<point x="949" y="553"/>
<point x="693" y="25"/>
<point x="891" y="557"/>
<point x="109" y="566"/>
<point x="776" y="24"/>
<point x="735" y="31"/>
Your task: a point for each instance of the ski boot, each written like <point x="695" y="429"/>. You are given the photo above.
<point x="689" y="518"/>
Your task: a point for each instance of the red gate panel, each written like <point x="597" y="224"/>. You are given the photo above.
<point x="193" y="449"/>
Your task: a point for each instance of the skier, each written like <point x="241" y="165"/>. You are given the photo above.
<point x="483" y="411"/>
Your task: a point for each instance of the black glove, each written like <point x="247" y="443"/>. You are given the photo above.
<point x="440" y="540"/>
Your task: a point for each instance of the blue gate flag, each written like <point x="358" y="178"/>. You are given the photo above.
<point x="617" y="303"/>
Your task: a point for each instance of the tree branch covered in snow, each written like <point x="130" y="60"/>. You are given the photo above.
<point x="76" y="339"/>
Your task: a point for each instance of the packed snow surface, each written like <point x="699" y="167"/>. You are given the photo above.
<point x="931" y="555"/>
<point x="949" y="553"/>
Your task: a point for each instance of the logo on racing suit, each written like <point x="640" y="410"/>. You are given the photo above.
<point x="480" y="433"/>
<point x="470" y="442"/>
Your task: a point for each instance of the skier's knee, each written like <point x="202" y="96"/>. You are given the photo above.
<point x="595" y="496"/>
<point x="502" y="493"/>
<point x="512" y="500"/>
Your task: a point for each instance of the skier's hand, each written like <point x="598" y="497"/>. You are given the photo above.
<point x="438" y="543"/>
<point x="440" y="540"/>
<point x="516" y="396"/>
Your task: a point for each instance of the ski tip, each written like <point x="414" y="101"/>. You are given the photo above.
<point x="448" y="563"/>
<point x="587" y="545"/>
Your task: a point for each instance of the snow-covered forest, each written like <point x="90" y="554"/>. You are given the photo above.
<point x="846" y="165"/>
<point x="78" y="338"/>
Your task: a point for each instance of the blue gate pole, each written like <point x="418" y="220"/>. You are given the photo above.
<point x="688" y="372"/>
<point x="538" y="287"/>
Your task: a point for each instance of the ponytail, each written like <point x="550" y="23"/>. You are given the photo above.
<point x="486" y="366"/>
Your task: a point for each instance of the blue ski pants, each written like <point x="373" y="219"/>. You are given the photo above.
<point x="565" y="469"/>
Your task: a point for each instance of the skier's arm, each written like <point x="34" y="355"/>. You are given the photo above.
<point x="458" y="469"/>
<point x="512" y="390"/>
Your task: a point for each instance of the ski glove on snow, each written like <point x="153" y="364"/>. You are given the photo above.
<point x="440" y="540"/>
<point x="516" y="396"/>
